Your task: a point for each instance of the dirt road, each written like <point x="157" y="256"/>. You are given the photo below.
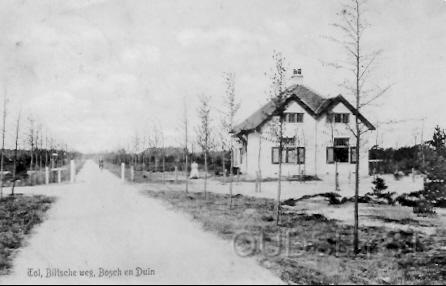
<point x="100" y="222"/>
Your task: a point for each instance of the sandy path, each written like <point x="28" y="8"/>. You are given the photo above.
<point x="101" y="222"/>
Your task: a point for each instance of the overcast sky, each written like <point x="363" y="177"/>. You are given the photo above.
<point x="95" y="73"/>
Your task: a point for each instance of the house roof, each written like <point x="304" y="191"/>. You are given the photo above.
<point x="313" y="103"/>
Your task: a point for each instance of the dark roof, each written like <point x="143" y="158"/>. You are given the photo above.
<point x="312" y="102"/>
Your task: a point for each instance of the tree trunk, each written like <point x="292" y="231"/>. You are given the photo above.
<point x="279" y="184"/>
<point x="358" y="136"/>
<point x="259" y="172"/>
<point x="205" y="174"/>
<point x="231" y="177"/>
<point x="186" y="171"/>
<point x="223" y="166"/>
<point x="14" y="170"/>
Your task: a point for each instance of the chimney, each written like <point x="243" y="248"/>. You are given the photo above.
<point x="297" y="77"/>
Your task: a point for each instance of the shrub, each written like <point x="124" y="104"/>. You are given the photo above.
<point x="423" y="207"/>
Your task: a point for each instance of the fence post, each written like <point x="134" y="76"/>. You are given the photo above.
<point x="59" y="177"/>
<point x="72" y="171"/>
<point x="132" y="173"/>
<point x="47" y="175"/>
<point x="123" y="172"/>
<point x="176" y="174"/>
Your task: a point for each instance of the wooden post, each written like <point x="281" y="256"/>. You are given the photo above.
<point x="123" y="172"/>
<point x="72" y="171"/>
<point x="59" y="177"/>
<point x="47" y="175"/>
<point x="176" y="174"/>
<point x="132" y="173"/>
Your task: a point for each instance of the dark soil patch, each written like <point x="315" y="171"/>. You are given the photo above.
<point x="18" y="215"/>
<point x="311" y="249"/>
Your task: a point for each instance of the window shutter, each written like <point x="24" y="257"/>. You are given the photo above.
<point x="284" y="155"/>
<point x="301" y="155"/>
<point x="330" y="155"/>
<point x="275" y="155"/>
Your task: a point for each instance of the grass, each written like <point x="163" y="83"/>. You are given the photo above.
<point x="311" y="249"/>
<point x="18" y="215"/>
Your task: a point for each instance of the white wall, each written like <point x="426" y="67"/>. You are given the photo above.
<point x="315" y="136"/>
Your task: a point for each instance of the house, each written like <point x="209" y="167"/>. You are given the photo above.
<point x="317" y="135"/>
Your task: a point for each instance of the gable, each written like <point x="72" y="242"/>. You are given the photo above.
<point x="339" y="108"/>
<point x="297" y="96"/>
<point x="340" y="103"/>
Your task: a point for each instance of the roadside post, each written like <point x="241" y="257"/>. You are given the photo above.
<point x="72" y="171"/>
<point x="47" y="175"/>
<point x="132" y="173"/>
<point x="123" y="172"/>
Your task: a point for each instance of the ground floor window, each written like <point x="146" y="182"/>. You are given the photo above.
<point x="339" y="152"/>
<point x="290" y="155"/>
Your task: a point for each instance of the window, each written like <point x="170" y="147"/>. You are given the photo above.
<point x="339" y="151"/>
<point x="353" y="155"/>
<point x="338" y="117"/>
<point x="275" y="155"/>
<point x="288" y="140"/>
<point x="341" y="142"/>
<point x="290" y="155"/>
<point x="294" y="117"/>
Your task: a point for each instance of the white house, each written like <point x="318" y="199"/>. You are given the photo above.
<point x="318" y="137"/>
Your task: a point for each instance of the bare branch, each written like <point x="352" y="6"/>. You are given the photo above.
<point x="381" y="93"/>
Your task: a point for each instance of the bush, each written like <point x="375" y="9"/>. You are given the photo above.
<point x="423" y="207"/>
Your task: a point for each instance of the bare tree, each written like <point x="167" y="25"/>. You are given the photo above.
<point x="278" y="81"/>
<point x="204" y="134"/>
<point x="136" y="143"/>
<point x="163" y="152"/>
<point x="232" y="106"/>
<point x="186" y="139"/>
<point x="41" y="145"/>
<point x="14" y="170"/>
<point x="353" y="26"/>
<point x="155" y="142"/>
<point x="5" y="100"/>
<point x="31" y="138"/>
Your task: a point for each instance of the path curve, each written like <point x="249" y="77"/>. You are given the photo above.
<point x="102" y="222"/>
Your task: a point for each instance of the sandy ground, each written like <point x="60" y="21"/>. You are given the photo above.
<point x="344" y="213"/>
<point x="293" y="189"/>
<point x="101" y="222"/>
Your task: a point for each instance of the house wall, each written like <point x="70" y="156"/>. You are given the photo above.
<point x="314" y="135"/>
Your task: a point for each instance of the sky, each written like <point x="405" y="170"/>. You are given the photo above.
<point x="97" y="73"/>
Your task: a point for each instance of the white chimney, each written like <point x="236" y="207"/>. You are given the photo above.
<point x="296" y="78"/>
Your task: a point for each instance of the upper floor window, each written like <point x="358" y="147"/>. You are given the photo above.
<point x="294" y="117"/>
<point x="338" y="117"/>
